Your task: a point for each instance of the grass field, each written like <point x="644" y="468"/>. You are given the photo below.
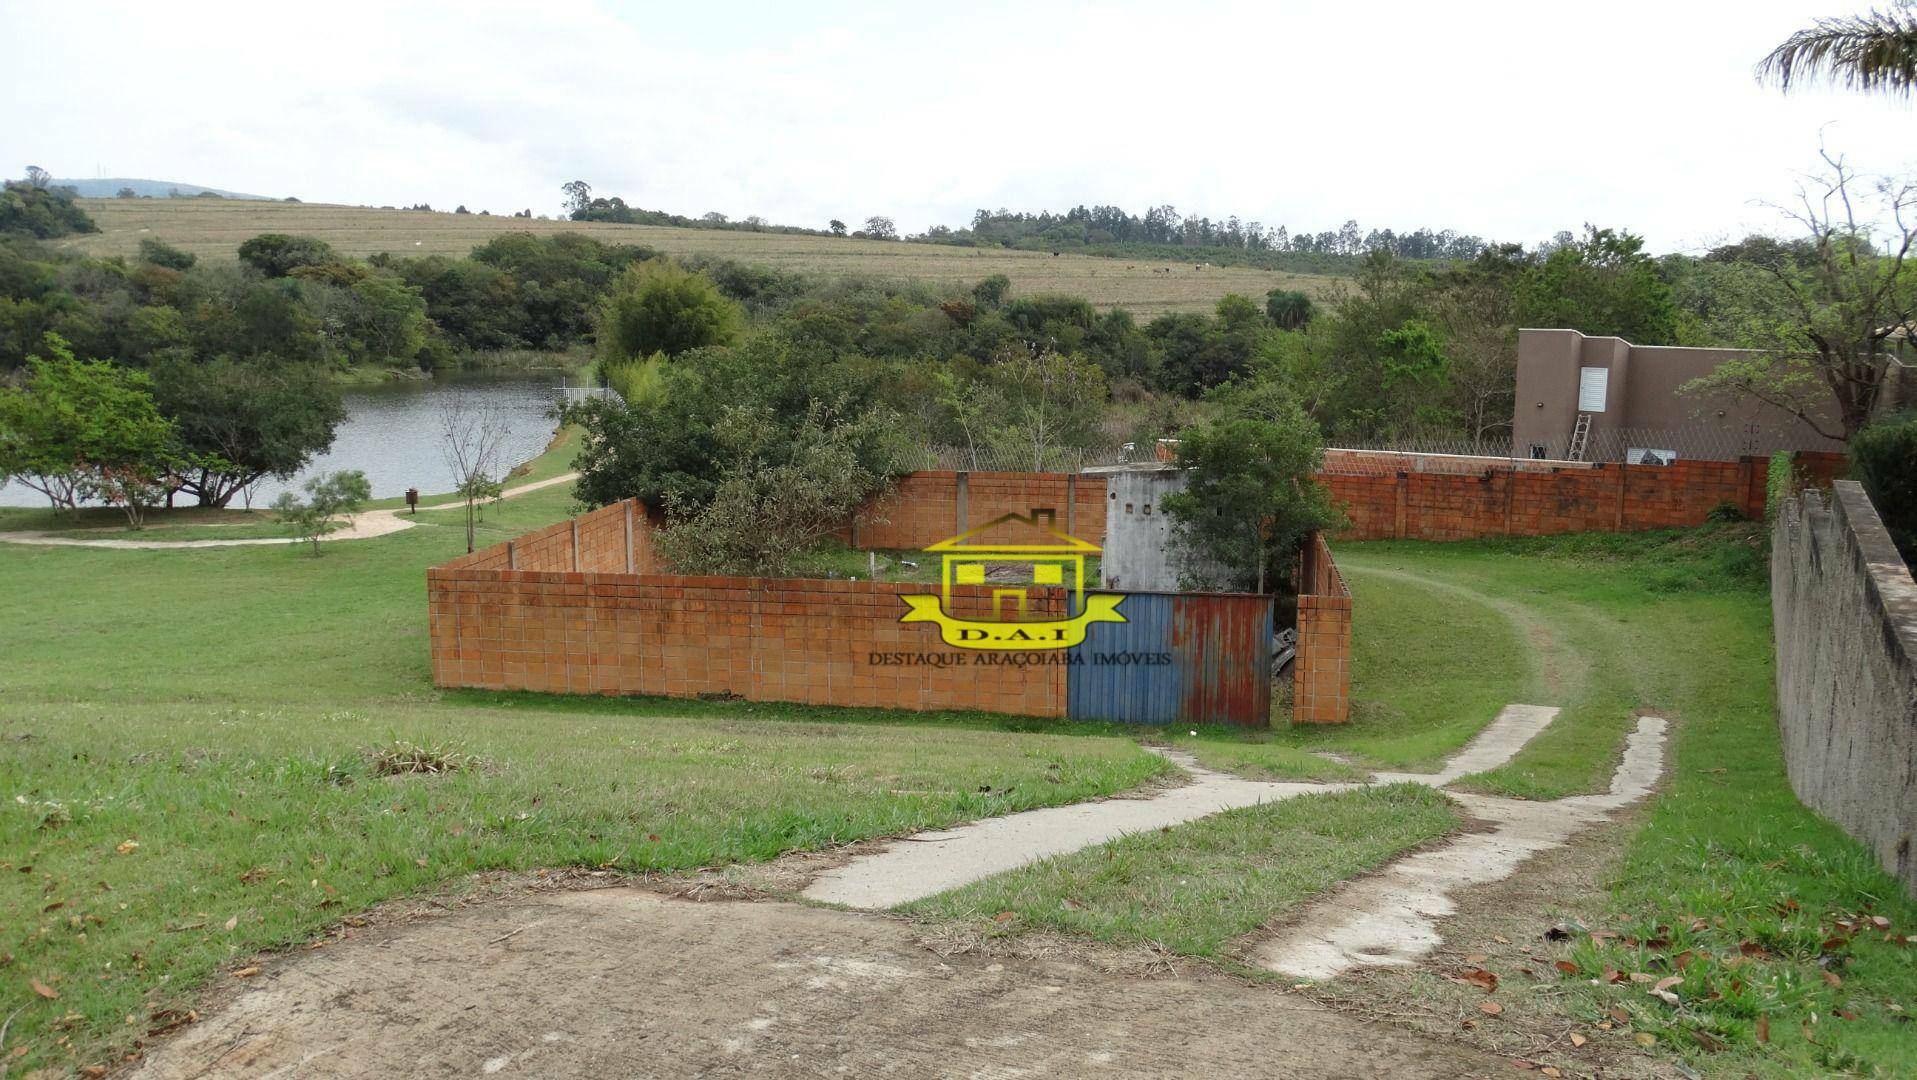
<point x="1732" y="883"/>
<point x="191" y="772"/>
<point x="196" y="749"/>
<point x="213" y="229"/>
<point x="1197" y="888"/>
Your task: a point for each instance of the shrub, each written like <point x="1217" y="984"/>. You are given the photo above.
<point x="327" y="497"/>
<point x="1780" y="483"/>
<point x="635" y="379"/>
<point x="1884" y="457"/>
<point x="277" y="254"/>
<point x="658" y="306"/>
<point x="1726" y="511"/>
<point x="161" y="253"/>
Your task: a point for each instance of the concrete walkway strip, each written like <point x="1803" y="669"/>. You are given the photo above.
<point x="933" y="862"/>
<point x="1495" y="745"/>
<point x="1392" y="918"/>
<point x="361" y="526"/>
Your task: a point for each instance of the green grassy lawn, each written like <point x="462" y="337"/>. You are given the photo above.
<point x="1765" y="909"/>
<point x="108" y="520"/>
<point x="1730" y="868"/>
<point x="185" y="743"/>
<point x="1196" y="888"/>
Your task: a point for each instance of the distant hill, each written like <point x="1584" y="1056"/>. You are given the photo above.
<point x="213" y="229"/>
<point x="158" y="189"/>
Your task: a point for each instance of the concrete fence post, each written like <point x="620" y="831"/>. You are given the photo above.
<point x="512" y="554"/>
<point x="629" y="560"/>
<point x="963" y="482"/>
<point x="1404" y="481"/>
<point x="1071" y="504"/>
<point x="575" y="545"/>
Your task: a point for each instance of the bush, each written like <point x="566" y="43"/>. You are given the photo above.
<point x="1726" y="512"/>
<point x="658" y="306"/>
<point x="1884" y="457"/>
<point x="1780" y="483"/>
<point x="161" y="253"/>
<point x="636" y="379"/>
<point x="327" y="497"/>
<point x="277" y="254"/>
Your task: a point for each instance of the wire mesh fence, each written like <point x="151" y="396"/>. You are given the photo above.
<point x="1630" y="445"/>
<point x="1627" y="445"/>
<point x="1053" y="459"/>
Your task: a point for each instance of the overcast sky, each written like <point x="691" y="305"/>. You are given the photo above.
<point x="1506" y="120"/>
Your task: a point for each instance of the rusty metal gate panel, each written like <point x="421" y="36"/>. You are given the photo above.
<point x="1221" y="645"/>
<point x="1192" y="658"/>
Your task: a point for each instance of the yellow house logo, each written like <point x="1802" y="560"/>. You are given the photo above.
<point x="1012" y="571"/>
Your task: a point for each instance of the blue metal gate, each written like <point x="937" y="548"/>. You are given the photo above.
<point x="1196" y="658"/>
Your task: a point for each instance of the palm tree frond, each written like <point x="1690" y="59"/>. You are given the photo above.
<point x="1876" y="51"/>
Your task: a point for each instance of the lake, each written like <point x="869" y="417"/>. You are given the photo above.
<point x="391" y="433"/>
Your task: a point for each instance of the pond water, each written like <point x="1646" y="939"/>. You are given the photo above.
<point x="391" y="433"/>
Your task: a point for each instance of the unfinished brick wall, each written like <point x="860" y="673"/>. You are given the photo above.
<point x="518" y="617"/>
<point x="924" y="508"/>
<point x="1502" y="501"/>
<point x="611" y="539"/>
<point x="1321" y="672"/>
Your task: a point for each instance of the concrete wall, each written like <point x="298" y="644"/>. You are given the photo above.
<point x="1138" y="534"/>
<point x="1845" y="611"/>
<point x="1642" y="405"/>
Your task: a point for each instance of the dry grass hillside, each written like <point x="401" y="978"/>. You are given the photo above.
<point x="214" y="228"/>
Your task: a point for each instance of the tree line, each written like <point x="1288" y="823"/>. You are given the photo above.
<point x="721" y="361"/>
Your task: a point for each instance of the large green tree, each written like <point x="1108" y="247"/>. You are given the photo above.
<point x="279" y="254"/>
<point x="659" y="306"/>
<point x="783" y="488"/>
<point x="1601" y="283"/>
<point x="74" y="422"/>
<point x="667" y="449"/>
<point x="239" y="422"/>
<point x="1250" y="498"/>
<point x="32" y="207"/>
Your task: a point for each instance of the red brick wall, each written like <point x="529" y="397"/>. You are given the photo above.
<point x="1321" y="672"/>
<point x="601" y="630"/>
<point x="1606" y="497"/>
<point x="923" y="507"/>
<point x="601" y="538"/>
<point x="1386" y="496"/>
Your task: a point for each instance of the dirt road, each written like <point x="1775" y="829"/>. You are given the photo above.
<point x="624" y="982"/>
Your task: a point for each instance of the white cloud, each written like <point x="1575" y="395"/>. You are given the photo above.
<point x="1508" y="120"/>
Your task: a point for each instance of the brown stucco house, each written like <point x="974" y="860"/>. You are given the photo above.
<point x="1633" y="411"/>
